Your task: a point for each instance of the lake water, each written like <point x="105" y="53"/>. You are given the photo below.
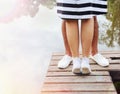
<point x="26" y="46"/>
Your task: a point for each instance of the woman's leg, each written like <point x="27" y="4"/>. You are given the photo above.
<point x="73" y="36"/>
<point x="67" y="47"/>
<point x="87" y="30"/>
<point x="87" y="27"/>
<point x="73" y="40"/>
<point x="67" y="58"/>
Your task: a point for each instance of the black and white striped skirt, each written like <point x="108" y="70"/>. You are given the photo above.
<point x="80" y="9"/>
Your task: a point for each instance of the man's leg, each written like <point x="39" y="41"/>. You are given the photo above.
<point x="94" y="48"/>
<point x="67" y="47"/>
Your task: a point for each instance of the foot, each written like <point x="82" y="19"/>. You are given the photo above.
<point x="76" y="65"/>
<point x="65" y="62"/>
<point x="85" y="66"/>
<point x="99" y="59"/>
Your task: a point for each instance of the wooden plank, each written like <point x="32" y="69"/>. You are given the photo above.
<point x="55" y="62"/>
<point x="111" y="67"/>
<point x="78" y="79"/>
<point x="93" y="67"/>
<point x="63" y="81"/>
<point x="114" y="61"/>
<point x="102" y="52"/>
<point x="83" y="87"/>
<point x="111" y="55"/>
<point x="94" y="73"/>
<point x="58" y="57"/>
<point x="79" y="92"/>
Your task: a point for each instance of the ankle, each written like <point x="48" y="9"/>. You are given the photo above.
<point x="75" y="58"/>
<point x="68" y="53"/>
<point x="94" y="53"/>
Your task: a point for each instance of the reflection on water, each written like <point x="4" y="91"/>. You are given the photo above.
<point x="112" y="35"/>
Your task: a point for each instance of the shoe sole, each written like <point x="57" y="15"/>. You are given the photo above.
<point x="85" y="71"/>
<point x="75" y="71"/>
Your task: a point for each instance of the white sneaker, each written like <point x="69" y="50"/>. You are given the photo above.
<point x="76" y="65"/>
<point x="85" y="66"/>
<point x="99" y="59"/>
<point x="64" y="62"/>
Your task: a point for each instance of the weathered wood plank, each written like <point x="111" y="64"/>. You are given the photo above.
<point x="79" y="92"/>
<point x="102" y="52"/>
<point x="55" y="62"/>
<point x="83" y="87"/>
<point x="93" y="67"/>
<point x="63" y="81"/>
<point x="78" y="79"/>
<point x="57" y="57"/>
<point x="94" y="73"/>
<point x="114" y="61"/>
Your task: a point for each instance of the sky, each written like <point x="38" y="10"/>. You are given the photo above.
<point x="6" y="7"/>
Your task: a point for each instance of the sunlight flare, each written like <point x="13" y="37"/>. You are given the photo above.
<point x="6" y="6"/>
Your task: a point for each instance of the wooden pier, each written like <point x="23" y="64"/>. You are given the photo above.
<point x="63" y="81"/>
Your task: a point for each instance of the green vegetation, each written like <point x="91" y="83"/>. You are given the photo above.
<point x="48" y="3"/>
<point x="113" y="33"/>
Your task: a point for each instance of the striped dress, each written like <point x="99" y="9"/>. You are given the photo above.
<point x="80" y="9"/>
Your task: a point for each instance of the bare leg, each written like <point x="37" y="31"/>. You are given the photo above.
<point x="70" y="33"/>
<point x="87" y="31"/>
<point x="95" y="38"/>
<point x="94" y="48"/>
<point x="73" y="36"/>
<point x="87" y="36"/>
<point x="73" y="40"/>
<point x="67" y="47"/>
<point x="97" y="56"/>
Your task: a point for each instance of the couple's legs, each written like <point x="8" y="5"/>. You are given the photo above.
<point x="72" y="32"/>
<point x="94" y="48"/>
